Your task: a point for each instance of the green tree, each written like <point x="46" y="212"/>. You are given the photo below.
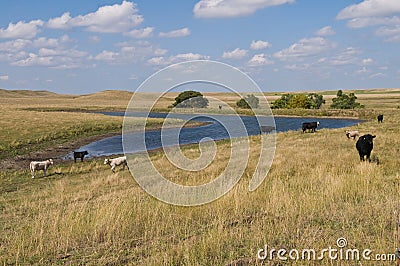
<point x="317" y="100"/>
<point x="300" y="100"/>
<point x="283" y="102"/>
<point x="190" y="99"/>
<point x="344" y="101"/>
<point x="248" y="102"/>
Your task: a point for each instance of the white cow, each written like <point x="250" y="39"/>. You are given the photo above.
<point x="43" y="165"/>
<point x="352" y="134"/>
<point x="116" y="162"/>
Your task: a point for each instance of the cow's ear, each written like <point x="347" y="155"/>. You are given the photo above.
<point x="373" y="136"/>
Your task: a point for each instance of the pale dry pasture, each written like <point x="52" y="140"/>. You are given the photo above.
<point x="316" y="191"/>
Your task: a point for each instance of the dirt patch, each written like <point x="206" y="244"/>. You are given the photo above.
<point x="58" y="151"/>
<point x="22" y="161"/>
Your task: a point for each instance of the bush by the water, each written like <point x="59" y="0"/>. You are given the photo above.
<point x="291" y="101"/>
<point x="344" y="101"/>
<point x="190" y="99"/>
<point x="248" y="102"/>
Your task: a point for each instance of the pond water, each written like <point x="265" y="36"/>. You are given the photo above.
<point x="214" y="130"/>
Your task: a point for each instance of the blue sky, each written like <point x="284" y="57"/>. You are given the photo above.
<point x="284" y="45"/>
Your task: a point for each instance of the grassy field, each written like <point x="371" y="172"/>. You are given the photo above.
<point x="316" y="192"/>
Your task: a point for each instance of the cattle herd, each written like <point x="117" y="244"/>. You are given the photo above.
<point x="44" y="165"/>
<point x="364" y="146"/>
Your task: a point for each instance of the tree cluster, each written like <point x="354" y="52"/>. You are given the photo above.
<point x="300" y="100"/>
<point x="248" y="102"/>
<point x="190" y="99"/>
<point x="344" y="101"/>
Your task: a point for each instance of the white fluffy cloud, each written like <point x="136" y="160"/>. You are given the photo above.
<point x="232" y="8"/>
<point x="259" y="45"/>
<point x="4" y="77"/>
<point x="49" y="52"/>
<point x="260" y="60"/>
<point x="346" y="57"/>
<point x="235" y="54"/>
<point x="304" y="48"/>
<point x="175" y="33"/>
<point x="140" y="33"/>
<point x="21" y="30"/>
<point x="110" y="19"/>
<point x="162" y="60"/>
<point x="372" y="13"/>
<point x="325" y="31"/>
<point x="62" y="22"/>
<point x="370" y="8"/>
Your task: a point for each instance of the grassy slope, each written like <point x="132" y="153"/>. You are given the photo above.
<point x="316" y="191"/>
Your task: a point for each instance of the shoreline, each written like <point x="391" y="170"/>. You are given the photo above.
<point x="21" y="162"/>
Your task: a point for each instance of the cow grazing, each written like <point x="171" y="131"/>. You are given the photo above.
<point x="352" y="134"/>
<point x="266" y="129"/>
<point x="80" y="154"/>
<point x="364" y="146"/>
<point x="380" y="118"/>
<point x="116" y="162"/>
<point x="44" y="165"/>
<point x="310" y="126"/>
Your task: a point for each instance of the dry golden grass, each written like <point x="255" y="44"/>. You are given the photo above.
<point x="316" y="191"/>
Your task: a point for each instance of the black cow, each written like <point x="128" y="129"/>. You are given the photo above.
<point x="266" y="129"/>
<point x="380" y="118"/>
<point x="310" y="125"/>
<point x="80" y="154"/>
<point x="364" y="146"/>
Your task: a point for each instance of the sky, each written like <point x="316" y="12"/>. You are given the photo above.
<point x="78" y="47"/>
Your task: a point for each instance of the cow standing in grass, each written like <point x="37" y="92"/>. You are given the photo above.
<point x="380" y="118"/>
<point x="116" y="162"/>
<point x="352" y="134"/>
<point x="312" y="126"/>
<point x="266" y="129"/>
<point x="364" y="146"/>
<point x="80" y="154"/>
<point x="43" y="165"/>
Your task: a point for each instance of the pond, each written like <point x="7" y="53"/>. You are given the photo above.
<point x="215" y="130"/>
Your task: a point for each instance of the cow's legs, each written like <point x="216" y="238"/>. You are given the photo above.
<point x="368" y="157"/>
<point x="361" y="156"/>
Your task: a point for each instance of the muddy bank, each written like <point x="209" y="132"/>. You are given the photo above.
<point x="57" y="151"/>
<point x="22" y="161"/>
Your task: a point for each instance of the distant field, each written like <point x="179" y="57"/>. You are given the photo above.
<point x="316" y="191"/>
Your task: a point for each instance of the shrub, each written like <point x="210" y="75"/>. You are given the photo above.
<point x="248" y="102"/>
<point x="190" y="99"/>
<point x="291" y="101"/>
<point x="344" y="101"/>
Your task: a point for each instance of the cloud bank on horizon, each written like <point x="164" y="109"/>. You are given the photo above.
<point x="281" y="44"/>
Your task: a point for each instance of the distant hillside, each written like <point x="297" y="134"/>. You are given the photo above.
<point x="108" y="94"/>
<point x="26" y="93"/>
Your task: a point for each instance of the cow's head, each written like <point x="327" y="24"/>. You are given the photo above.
<point x="369" y="138"/>
<point x="317" y="123"/>
<point x="106" y="161"/>
<point x="85" y="153"/>
<point x="51" y="161"/>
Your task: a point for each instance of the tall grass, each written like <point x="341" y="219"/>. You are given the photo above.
<point x="317" y="190"/>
